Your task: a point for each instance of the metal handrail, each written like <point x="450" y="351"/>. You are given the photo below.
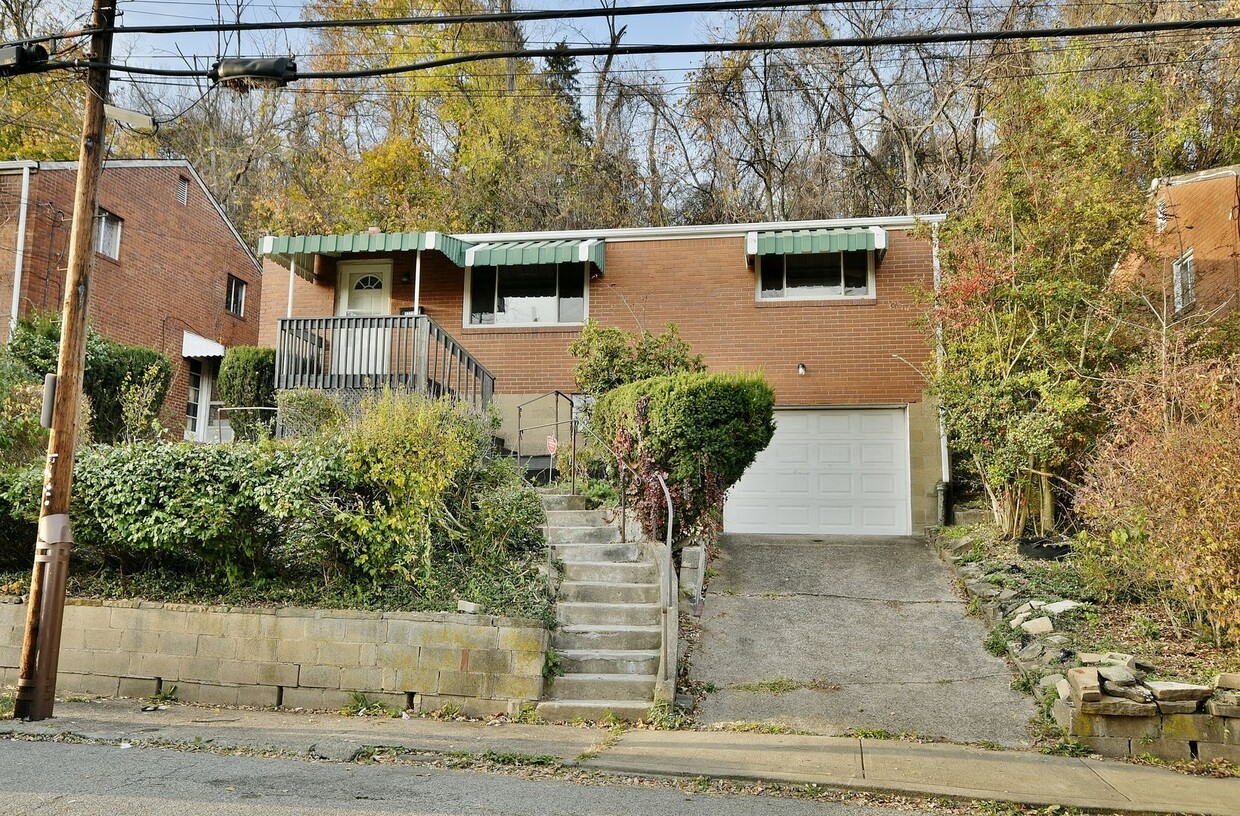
<point x="557" y="395"/>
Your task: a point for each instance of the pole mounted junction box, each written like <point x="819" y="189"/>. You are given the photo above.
<point x="21" y="59"/>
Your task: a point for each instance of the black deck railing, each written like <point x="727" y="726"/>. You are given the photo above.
<point x="398" y="352"/>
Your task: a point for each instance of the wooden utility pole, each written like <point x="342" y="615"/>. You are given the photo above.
<point x="36" y="683"/>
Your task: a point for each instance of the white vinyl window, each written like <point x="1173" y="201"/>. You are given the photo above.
<point x="108" y="234"/>
<point x="234" y="299"/>
<point x="1184" y="280"/>
<point x="816" y="276"/>
<point x="530" y="295"/>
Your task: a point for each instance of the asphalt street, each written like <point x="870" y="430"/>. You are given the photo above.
<point x="65" y="778"/>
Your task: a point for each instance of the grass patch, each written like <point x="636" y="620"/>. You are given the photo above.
<point x="783" y="685"/>
<point x="884" y="734"/>
<point x="167" y="695"/>
<point x="997" y="641"/>
<point x="1218" y="768"/>
<point x="7" y="701"/>
<point x="664" y="716"/>
<point x="360" y="705"/>
<point x="752" y="727"/>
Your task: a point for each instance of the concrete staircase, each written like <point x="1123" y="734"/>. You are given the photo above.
<point x="610" y="631"/>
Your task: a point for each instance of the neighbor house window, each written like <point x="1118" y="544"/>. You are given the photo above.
<point x="108" y="234"/>
<point x="1184" y="280"/>
<point x="523" y="295"/>
<point x="195" y="395"/>
<point x="814" y="276"/>
<point x="234" y="302"/>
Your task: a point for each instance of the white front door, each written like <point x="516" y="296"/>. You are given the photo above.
<point x="360" y="351"/>
<point x="827" y="471"/>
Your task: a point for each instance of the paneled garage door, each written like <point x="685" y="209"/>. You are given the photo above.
<point x="827" y="472"/>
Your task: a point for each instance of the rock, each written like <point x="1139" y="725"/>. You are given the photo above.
<point x="1059" y="607"/>
<point x="1022" y="609"/>
<point x="1064" y="688"/>
<point x="982" y="589"/>
<point x="1118" y="707"/>
<point x="1117" y="675"/>
<point x="1030" y="652"/>
<point x="1085" y="683"/>
<point x="1177" y="706"/>
<point x="1145" y="665"/>
<point x="1120" y="659"/>
<point x="1007" y="594"/>
<point x="1165" y="691"/>
<point x="1136" y="693"/>
<point x="1037" y="604"/>
<point x="1089" y="658"/>
<point x="1055" y="657"/>
<point x="1019" y="619"/>
<point x="685" y="702"/>
<point x="1227" y="697"/>
<point x="1227" y="680"/>
<point x="1058" y="640"/>
<point x="1051" y="680"/>
<point x="1038" y="626"/>
<point x="468" y="608"/>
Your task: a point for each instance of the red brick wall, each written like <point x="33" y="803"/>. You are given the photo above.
<point x="857" y="352"/>
<point x="1204" y="216"/>
<point x="171" y="275"/>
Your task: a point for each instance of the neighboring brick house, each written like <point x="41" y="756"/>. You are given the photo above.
<point x="1194" y="253"/>
<point x="827" y="310"/>
<point x="171" y="271"/>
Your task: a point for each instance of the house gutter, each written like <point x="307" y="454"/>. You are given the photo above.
<point x="20" y="253"/>
<point x="945" y="467"/>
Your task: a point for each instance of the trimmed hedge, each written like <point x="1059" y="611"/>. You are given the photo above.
<point x="699" y="431"/>
<point x="247" y="380"/>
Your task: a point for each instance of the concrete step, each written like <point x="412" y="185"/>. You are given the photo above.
<point x="635" y="572"/>
<point x="607" y="592"/>
<point x="587" y="551"/>
<point x="599" y="661"/>
<point x="564" y="501"/>
<point x="582" y="535"/>
<point x="607" y="614"/>
<point x="592" y="710"/>
<point x="581" y="518"/>
<point x="637" y="687"/>
<point x="608" y="638"/>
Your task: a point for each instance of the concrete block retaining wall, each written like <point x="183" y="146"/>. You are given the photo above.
<point x="1204" y="735"/>
<point x="313" y="658"/>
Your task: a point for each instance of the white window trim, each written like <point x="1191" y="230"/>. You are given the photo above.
<point x="466" y="304"/>
<point x="1177" y="281"/>
<point x="245" y="287"/>
<point x="869" y="285"/>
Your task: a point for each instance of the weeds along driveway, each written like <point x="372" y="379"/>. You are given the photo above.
<point x="872" y="622"/>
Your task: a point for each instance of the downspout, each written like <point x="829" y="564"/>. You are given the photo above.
<point x="20" y="252"/>
<point x="417" y="283"/>
<point x="945" y="467"/>
<point x="292" y="276"/>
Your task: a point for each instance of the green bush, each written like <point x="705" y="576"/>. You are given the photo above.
<point x="110" y="369"/>
<point x="247" y="380"/>
<point x="699" y="431"/>
<point x="611" y="357"/>
<point x="306" y="412"/>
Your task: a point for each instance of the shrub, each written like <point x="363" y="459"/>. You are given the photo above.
<point x="307" y="412"/>
<point x="1160" y="494"/>
<point x="36" y="345"/>
<point x="612" y="357"/>
<point x="247" y="380"/>
<point x="699" y="431"/>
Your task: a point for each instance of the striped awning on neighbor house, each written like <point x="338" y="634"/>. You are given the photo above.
<point x="798" y="242"/>
<point x="297" y="251"/>
<point x="522" y="253"/>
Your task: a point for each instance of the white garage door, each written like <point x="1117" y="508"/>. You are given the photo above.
<point x="827" y="472"/>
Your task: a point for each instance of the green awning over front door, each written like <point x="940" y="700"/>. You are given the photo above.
<point x="521" y="253"/>
<point x="298" y="251"/>
<point x="799" y="242"/>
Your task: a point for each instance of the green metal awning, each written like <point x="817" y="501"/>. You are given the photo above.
<point x="520" y="253"/>
<point x="796" y="242"/>
<point x="298" y="251"/>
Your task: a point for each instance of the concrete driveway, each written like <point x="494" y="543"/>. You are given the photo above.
<point x="874" y="620"/>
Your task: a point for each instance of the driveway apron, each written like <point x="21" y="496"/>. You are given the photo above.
<point x="872" y="621"/>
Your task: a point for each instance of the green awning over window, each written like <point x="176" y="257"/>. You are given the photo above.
<point x="519" y="253"/>
<point x="798" y="242"/>
<point x="300" y="250"/>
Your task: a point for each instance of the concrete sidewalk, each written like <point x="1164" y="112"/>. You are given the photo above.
<point x="837" y="762"/>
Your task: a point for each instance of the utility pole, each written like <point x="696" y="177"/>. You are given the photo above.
<point x="36" y="683"/>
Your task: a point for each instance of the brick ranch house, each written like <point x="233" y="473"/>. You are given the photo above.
<point x="171" y="271"/>
<point x="1193" y="258"/>
<point x="827" y="310"/>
